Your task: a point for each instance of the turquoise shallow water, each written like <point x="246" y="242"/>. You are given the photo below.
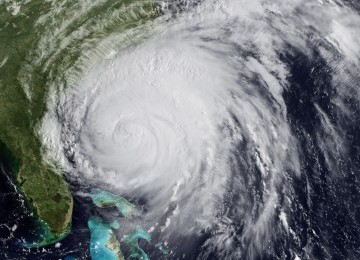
<point x="164" y="250"/>
<point x="101" y="231"/>
<point x="133" y="241"/>
<point x="103" y="198"/>
<point x="101" y="234"/>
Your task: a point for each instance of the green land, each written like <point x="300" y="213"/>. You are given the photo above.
<point x="102" y="198"/>
<point x="101" y="232"/>
<point x="103" y="243"/>
<point x="34" y="55"/>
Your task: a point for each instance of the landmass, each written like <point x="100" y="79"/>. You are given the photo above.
<point x="132" y="240"/>
<point x="102" y="235"/>
<point x="102" y="198"/>
<point x="31" y="59"/>
<point x="103" y="243"/>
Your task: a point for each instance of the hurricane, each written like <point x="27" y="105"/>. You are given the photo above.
<point x="232" y="127"/>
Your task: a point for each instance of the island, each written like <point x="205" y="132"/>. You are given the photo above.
<point x="132" y="240"/>
<point x="32" y="60"/>
<point x="103" y="243"/>
<point x="102" y="198"/>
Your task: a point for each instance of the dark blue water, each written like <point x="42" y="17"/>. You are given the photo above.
<point x="15" y="213"/>
<point x="327" y="199"/>
<point x="325" y="211"/>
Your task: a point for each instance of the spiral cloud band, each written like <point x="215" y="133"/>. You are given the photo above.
<point x="164" y="120"/>
<point x="193" y="120"/>
<point x="150" y="125"/>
